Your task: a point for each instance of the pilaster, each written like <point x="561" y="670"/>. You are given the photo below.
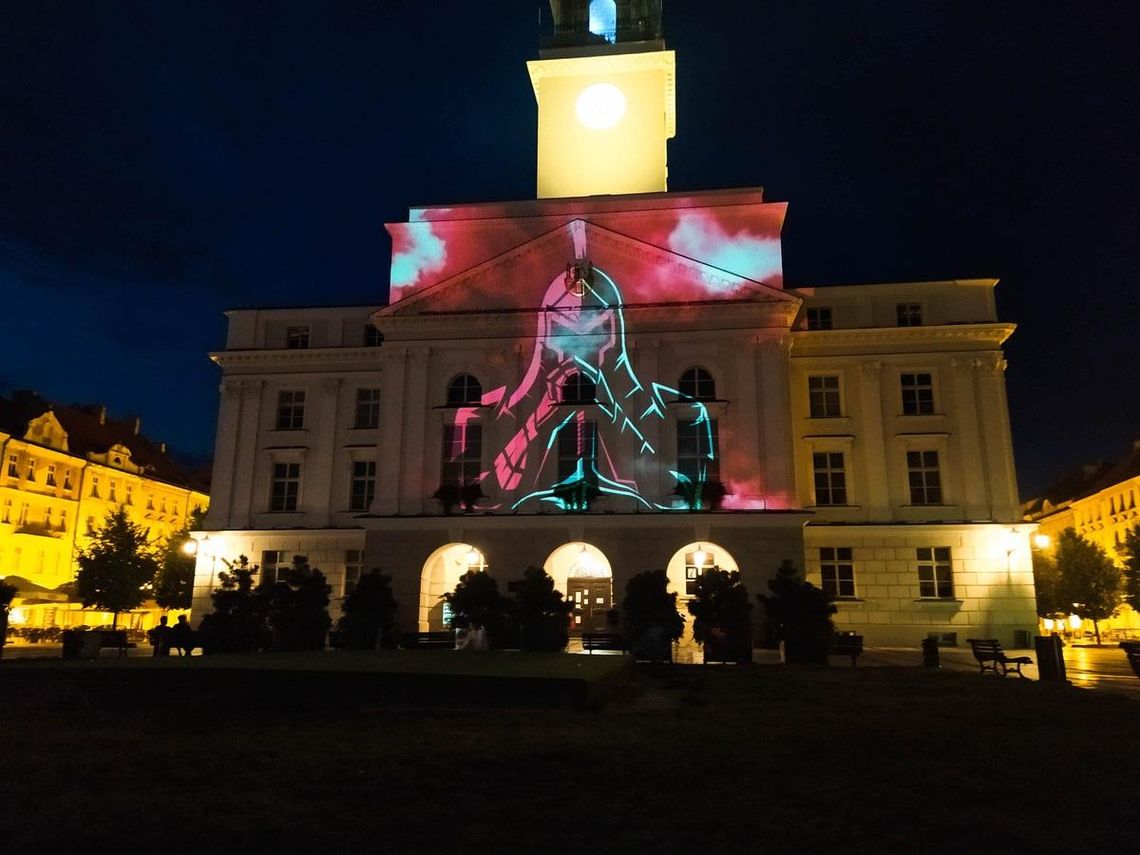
<point x="870" y="444"/>
<point x="387" y="499"/>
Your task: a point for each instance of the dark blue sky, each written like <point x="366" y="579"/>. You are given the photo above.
<point x="160" y="162"/>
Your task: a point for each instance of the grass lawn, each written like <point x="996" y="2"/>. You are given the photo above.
<point x="684" y="759"/>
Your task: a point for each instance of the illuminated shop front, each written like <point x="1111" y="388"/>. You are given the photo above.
<point x="600" y="385"/>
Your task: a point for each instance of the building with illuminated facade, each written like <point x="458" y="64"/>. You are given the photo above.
<point x="62" y="470"/>
<point x="1099" y="503"/>
<point x="613" y="378"/>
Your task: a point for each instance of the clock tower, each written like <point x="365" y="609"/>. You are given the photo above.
<point x="605" y="86"/>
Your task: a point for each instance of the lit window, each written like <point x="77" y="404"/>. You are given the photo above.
<point x="67" y="479"/>
<point x="909" y="314"/>
<point x="922" y="474"/>
<point x="13" y="466"/>
<point x="819" y="318"/>
<point x="837" y="571"/>
<point x="290" y="410"/>
<point x="363" y="485"/>
<point x="935" y="576"/>
<point x="823" y="397"/>
<point x="464" y="389"/>
<point x="130" y="499"/>
<point x="63" y="520"/>
<point x="577" y="441"/>
<point x="272" y="562"/>
<point x="23" y="514"/>
<point x="111" y="494"/>
<point x="50" y="480"/>
<point x="462" y="454"/>
<point x="47" y="517"/>
<point x="286" y="487"/>
<point x="297" y="338"/>
<point x="698" y="450"/>
<point x="91" y="525"/>
<point x="698" y="384"/>
<point x="94" y="486"/>
<point x="7" y="511"/>
<point x="830" y="478"/>
<point x="367" y="408"/>
<point x="578" y="389"/>
<point x="697" y="563"/>
<point x="917" y="394"/>
<point x="31" y="476"/>
<point x="353" y="567"/>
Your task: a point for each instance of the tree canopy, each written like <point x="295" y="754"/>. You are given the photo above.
<point x="117" y="569"/>
<point x="297" y="607"/>
<point x="1089" y="581"/>
<point x="369" y="613"/>
<point x="541" y="613"/>
<point x="800" y="615"/>
<point x="174" y="581"/>
<point x="1130" y="552"/>
<point x="1047" y="583"/>
<point x="476" y="602"/>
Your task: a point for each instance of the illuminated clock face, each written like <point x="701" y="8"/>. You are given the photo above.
<point x="600" y="106"/>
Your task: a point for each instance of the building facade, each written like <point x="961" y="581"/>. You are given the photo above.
<point x="605" y="384"/>
<point x="1099" y="503"/>
<point x="64" y="469"/>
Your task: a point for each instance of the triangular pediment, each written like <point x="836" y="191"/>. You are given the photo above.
<point x="523" y="278"/>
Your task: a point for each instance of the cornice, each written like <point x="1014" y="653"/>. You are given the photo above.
<point x="296" y="358"/>
<point x="991" y="335"/>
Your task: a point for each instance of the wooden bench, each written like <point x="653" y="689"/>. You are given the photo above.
<point x="428" y="640"/>
<point x="846" y="644"/>
<point x="1132" y="651"/>
<point x="592" y="641"/>
<point x="989" y="650"/>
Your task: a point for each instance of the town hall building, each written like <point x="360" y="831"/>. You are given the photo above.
<point x="612" y="378"/>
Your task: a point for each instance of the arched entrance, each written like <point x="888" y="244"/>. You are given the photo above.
<point x="584" y="575"/>
<point x="693" y="559"/>
<point x="440" y="575"/>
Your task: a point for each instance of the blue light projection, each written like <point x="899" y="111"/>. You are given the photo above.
<point x="603" y="19"/>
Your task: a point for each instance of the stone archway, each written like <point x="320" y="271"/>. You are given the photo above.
<point x="583" y="574"/>
<point x="440" y="574"/>
<point x="683" y="568"/>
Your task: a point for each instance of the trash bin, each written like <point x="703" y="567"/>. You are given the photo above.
<point x="72" y="643"/>
<point x="1050" y="659"/>
<point x="930" y="652"/>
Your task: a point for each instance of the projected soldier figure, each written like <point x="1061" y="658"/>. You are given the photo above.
<point x="583" y="388"/>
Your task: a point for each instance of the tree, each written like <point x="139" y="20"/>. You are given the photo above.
<point x="116" y="570"/>
<point x="174" y="582"/>
<point x="1130" y="552"/>
<point x="541" y="612"/>
<point x="296" y="607"/>
<point x="1089" y="579"/>
<point x="369" y="613"/>
<point x="476" y="602"/>
<point x="799" y="614"/>
<point x="652" y="621"/>
<point x="238" y="622"/>
<point x="1047" y="584"/>
<point x="7" y="594"/>
<point x="721" y="610"/>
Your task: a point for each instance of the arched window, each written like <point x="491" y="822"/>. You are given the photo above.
<point x="698" y="384"/>
<point x="464" y="389"/>
<point x="578" y="389"/>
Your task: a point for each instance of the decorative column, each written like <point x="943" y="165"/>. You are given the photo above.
<point x="225" y="455"/>
<point x="972" y="462"/>
<point x="322" y="461"/>
<point x="413" y="486"/>
<point x="391" y="431"/>
<point x="996" y="436"/>
<point x="870" y="444"/>
<point x="774" y="355"/>
<point x="650" y="467"/>
<point x="245" y="468"/>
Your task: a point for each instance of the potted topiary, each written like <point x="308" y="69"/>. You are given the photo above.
<point x="699" y="495"/>
<point x="652" y="622"/>
<point x="799" y="615"/>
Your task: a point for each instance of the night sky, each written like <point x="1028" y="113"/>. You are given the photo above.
<point x="163" y="161"/>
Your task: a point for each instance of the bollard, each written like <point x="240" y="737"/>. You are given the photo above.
<point x="930" y="652"/>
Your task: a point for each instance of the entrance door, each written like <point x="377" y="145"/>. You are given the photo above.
<point x="592" y="599"/>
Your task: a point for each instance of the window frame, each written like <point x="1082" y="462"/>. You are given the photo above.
<point x="353" y="570"/>
<point x="460" y="390"/>
<point x="582" y="433"/>
<point x="937" y="558"/>
<point x="689" y="462"/>
<point x="823" y="318"/>
<point x="908" y="315"/>
<point x="362" y="485"/>
<point x="290" y="409"/>
<point x="701" y="382"/>
<point x="574" y="387"/>
<point x="833" y="560"/>
<point x="918" y="478"/>
<point x="912" y="400"/>
<point x="455" y="469"/>
<point x="298" y="336"/>
<point x="824" y="397"/>
<point x="829" y="473"/>
<point x="367" y="404"/>
<point x="285" y="474"/>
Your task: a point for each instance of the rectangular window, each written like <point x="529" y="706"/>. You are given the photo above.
<point x="297" y="338"/>
<point x="917" y="394"/>
<point x="353" y="567"/>
<point x="91" y="525"/>
<point x="50" y="480"/>
<point x="462" y="454"/>
<point x="290" y="410"/>
<point x="94" y="486"/>
<point x="935" y="576"/>
<point x="31" y="476"/>
<point x="63" y="520"/>
<point x="272" y="562"/>
<point x="838" y="571"/>
<point x="909" y="314"/>
<point x="47" y="518"/>
<point x="7" y="511"/>
<point x="823" y="397"/>
<point x="372" y="336"/>
<point x="577" y="441"/>
<point x="286" y="487"/>
<point x="830" y="478"/>
<point x="698" y="450"/>
<point x="922" y="474"/>
<point x="130" y="499"/>
<point x="162" y="507"/>
<point x="23" y="514"/>
<point x="363" y="485"/>
<point x="819" y="318"/>
<point x="150" y="502"/>
<point x="367" y="409"/>
<point x="111" y="493"/>
<point x="13" y="466"/>
<point x="67" y="479"/>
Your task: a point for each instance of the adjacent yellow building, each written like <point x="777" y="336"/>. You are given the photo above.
<point x="62" y="470"/>
<point x="1099" y="502"/>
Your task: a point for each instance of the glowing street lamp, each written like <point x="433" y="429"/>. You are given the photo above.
<point x="1042" y="541"/>
<point x="190" y="547"/>
<point x="472" y="557"/>
<point x="700" y="556"/>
